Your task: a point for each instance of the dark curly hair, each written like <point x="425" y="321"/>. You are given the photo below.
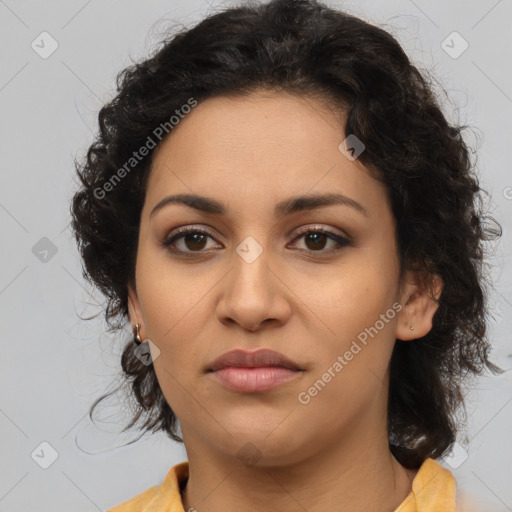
<point x="306" y="48"/>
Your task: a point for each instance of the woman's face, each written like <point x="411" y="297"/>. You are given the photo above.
<point x="255" y="280"/>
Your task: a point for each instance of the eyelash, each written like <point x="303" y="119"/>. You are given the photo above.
<point x="181" y="232"/>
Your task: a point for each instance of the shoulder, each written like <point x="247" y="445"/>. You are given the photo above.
<point x="160" y="498"/>
<point x="136" y="503"/>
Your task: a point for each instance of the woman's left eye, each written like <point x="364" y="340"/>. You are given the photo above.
<point x="194" y="240"/>
<point x="318" y="237"/>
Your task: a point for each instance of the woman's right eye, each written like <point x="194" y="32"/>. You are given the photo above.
<point x="193" y="239"/>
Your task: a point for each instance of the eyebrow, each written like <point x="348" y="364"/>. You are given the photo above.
<point x="286" y="207"/>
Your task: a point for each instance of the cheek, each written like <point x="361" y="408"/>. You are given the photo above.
<point x="171" y="295"/>
<point x="175" y="310"/>
<point x="356" y="296"/>
<point x="357" y="308"/>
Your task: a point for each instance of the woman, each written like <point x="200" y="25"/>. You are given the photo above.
<point x="277" y="205"/>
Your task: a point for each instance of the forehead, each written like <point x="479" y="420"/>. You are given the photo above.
<point x="256" y="150"/>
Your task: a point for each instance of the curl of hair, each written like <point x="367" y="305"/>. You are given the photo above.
<point x="304" y="47"/>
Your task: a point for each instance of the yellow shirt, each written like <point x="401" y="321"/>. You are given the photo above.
<point x="433" y="490"/>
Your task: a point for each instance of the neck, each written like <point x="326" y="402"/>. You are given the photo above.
<point x="358" y="474"/>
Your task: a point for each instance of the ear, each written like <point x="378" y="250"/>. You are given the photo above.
<point x="419" y="297"/>
<point x="134" y="309"/>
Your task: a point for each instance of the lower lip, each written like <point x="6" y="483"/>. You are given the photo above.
<point x="254" y="380"/>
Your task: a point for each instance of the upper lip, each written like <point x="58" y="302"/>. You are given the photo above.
<point x="258" y="358"/>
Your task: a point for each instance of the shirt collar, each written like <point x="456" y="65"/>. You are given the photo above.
<point x="433" y="488"/>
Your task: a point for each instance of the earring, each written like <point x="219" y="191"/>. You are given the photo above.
<point x="136" y="335"/>
<point x="412" y="327"/>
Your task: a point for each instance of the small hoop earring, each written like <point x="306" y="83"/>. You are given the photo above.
<point x="136" y="335"/>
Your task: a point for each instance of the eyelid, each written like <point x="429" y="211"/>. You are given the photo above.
<point x="322" y="228"/>
<point x="187" y="229"/>
<point x="300" y="230"/>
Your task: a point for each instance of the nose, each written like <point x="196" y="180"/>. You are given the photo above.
<point x="254" y="294"/>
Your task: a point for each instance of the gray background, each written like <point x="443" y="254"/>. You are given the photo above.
<point x="54" y="364"/>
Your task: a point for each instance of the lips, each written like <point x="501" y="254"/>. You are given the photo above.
<point x="257" y="359"/>
<point x="254" y="372"/>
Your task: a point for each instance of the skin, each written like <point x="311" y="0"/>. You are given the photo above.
<point x="250" y="153"/>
